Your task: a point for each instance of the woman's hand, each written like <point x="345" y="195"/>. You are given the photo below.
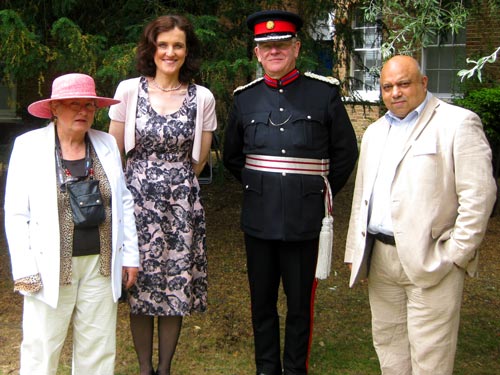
<point x="206" y="144"/>
<point x="129" y="276"/>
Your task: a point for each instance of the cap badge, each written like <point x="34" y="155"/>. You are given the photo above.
<point x="270" y="25"/>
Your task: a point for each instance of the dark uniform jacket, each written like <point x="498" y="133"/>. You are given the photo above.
<point x="306" y="119"/>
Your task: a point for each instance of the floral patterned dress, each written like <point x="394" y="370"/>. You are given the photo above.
<point x="169" y="214"/>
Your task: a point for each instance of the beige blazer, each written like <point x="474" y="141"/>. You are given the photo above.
<point x="442" y="195"/>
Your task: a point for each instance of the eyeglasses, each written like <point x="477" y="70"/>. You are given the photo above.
<point x="77" y="106"/>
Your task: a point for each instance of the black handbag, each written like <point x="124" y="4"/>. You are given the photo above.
<point x="86" y="203"/>
<point x="85" y="197"/>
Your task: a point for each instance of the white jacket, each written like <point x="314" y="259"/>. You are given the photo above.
<point x="31" y="212"/>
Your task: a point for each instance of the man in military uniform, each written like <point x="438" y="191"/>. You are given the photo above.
<point x="290" y="142"/>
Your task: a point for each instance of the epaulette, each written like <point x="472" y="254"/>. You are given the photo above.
<point x="253" y="83"/>
<point x="330" y="80"/>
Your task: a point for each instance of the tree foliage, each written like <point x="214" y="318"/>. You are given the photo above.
<point x="41" y="39"/>
<point x="486" y="103"/>
<point x="413" y="24"/>
<point x="22" y="54"/>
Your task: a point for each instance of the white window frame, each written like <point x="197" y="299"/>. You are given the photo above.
<point x="372" y="92"/>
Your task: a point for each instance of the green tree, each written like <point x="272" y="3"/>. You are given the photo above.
<point x="46" y="38"/>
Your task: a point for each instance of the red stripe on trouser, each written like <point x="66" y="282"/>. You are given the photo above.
<point x="313" y="296"/>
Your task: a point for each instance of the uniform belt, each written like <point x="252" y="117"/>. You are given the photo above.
<point x="385" y="238"/>
<point x="315" y="167"/>
<point x="283" y="164"/>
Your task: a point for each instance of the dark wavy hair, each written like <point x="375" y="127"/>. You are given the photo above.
<point x="147" y="46"/>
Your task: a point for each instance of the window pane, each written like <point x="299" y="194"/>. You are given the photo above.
<point x="432" y="83"/>
<point x="459" y="57"/>
<point x="366" y="58"/>
<point x="442" y="62"/>
<point x="358" y="80"/>
<point x="432" y="58"/>
<point x="460" y="37"/>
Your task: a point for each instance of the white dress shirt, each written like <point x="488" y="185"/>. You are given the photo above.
<point x="380" y="203"/>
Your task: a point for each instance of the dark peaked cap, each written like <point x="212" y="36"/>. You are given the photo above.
<point x="274" y="25"/>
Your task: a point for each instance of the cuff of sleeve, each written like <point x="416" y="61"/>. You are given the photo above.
<point x="28" y="285"/>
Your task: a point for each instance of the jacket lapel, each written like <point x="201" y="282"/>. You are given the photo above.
<point x="48" y="161"/>
<point x="102" y="152"/>
<point x="377" y="143"/>
<point x="421" y="124"/>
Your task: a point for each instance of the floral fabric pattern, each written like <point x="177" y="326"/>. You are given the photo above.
<point x="169" y="214"/>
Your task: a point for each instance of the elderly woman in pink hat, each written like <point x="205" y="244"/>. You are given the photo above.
<point x="71" y="231"/>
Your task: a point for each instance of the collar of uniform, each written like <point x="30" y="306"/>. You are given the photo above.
<point x="283" y="81"/>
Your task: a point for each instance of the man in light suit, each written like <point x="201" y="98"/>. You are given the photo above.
<point x="423" y="195"/>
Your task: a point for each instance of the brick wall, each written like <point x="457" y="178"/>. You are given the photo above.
<point x="362" y="115"/>
<point x="483" y="38"/>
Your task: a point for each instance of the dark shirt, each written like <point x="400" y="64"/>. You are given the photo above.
<point x="85" y="240"/>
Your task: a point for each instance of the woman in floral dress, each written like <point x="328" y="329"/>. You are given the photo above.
<point x="164" y="125"/>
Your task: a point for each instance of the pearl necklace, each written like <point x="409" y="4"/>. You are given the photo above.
<point x="155" y="84"/>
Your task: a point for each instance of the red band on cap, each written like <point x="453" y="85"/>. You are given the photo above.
<point x="277" y="26"/>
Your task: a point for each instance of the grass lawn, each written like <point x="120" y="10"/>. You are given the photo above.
<point x="219" y="342"/>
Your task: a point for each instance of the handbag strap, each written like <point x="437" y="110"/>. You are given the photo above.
<point x="63" y="173"/>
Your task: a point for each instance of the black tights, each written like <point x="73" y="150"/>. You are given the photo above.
<point x="169" y="329"/>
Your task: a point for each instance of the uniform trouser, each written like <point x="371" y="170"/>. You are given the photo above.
<point x="414" y="329"/>
<point x="294" y="263"/>
<point x="88" y="300"/>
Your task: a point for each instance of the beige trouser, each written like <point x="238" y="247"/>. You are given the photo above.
<point x="414" y="330"/>
<point x="88" y="300"/>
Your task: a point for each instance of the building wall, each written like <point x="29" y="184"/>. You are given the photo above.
<point x="362" y="115"/>
<point x="483" y="38"/>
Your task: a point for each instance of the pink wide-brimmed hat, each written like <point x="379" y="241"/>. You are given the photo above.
<point x="70" y="86"/>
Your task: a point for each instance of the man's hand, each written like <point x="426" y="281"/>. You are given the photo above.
<point x="362" y="281"/>
<point x="129" y="276"/>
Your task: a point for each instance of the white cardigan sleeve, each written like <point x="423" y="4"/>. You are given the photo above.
<point x="206" y="119"/>
<point x="125" y="111"/>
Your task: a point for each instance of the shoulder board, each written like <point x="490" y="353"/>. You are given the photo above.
<point x="253" y="83"/>
<point x="330" y="80"/>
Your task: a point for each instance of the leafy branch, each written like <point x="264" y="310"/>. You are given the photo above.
<point x="411" y="25"/>
<point x="479" y="65"/>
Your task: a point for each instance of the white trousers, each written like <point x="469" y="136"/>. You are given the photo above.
<point x="88" y="300"/>
<point x="414" y="329"/>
